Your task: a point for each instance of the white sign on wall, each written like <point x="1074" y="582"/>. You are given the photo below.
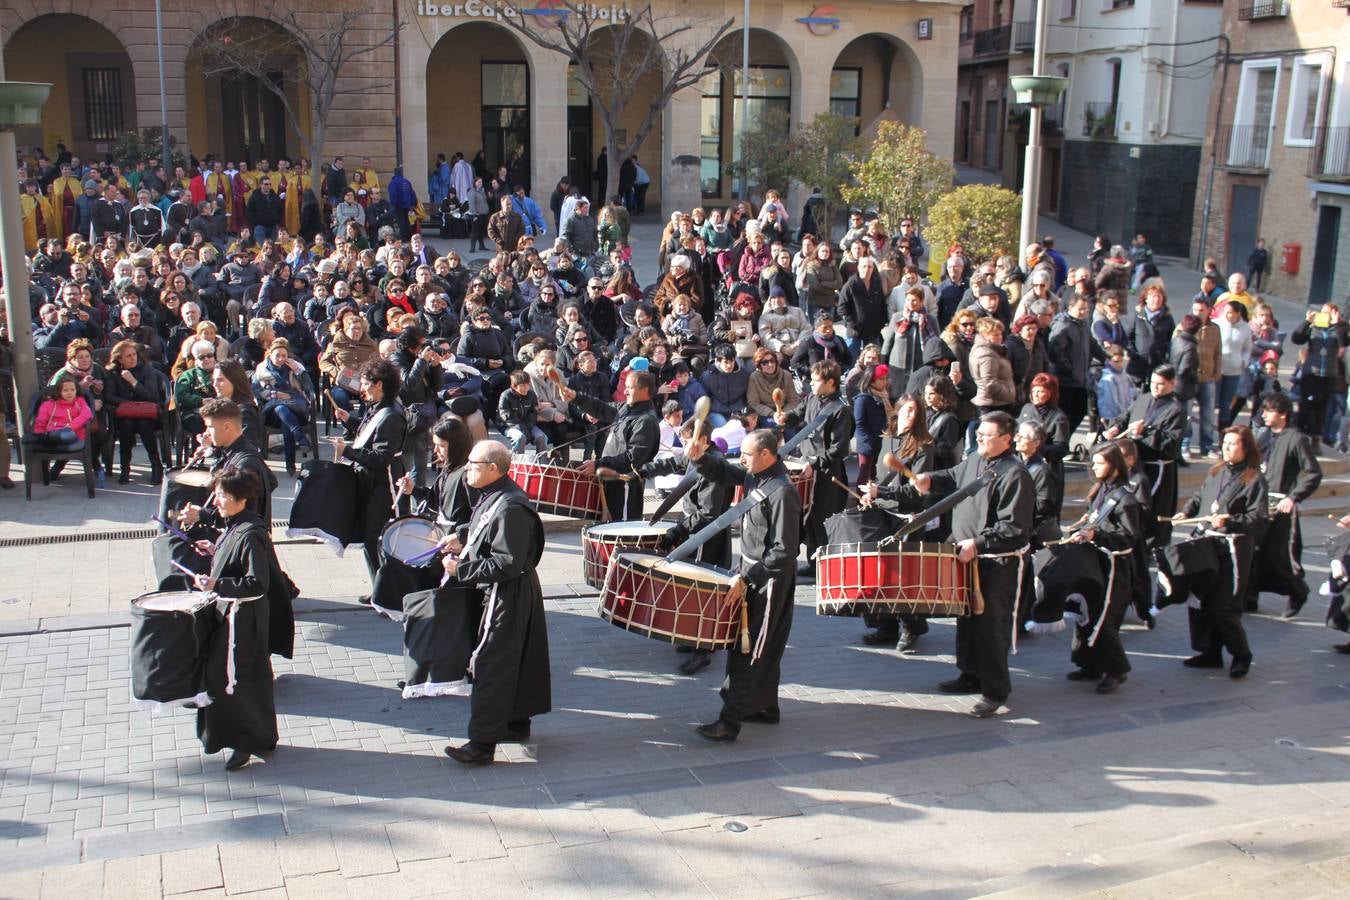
<point x="542" y="10"/>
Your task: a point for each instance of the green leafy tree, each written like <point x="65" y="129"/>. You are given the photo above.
<point x="133" y="147"/>
<point x="763" y="160"/>
<point x="897" y="175"/>
<point x="820" y="155"/>
<point x="981" y="218"/>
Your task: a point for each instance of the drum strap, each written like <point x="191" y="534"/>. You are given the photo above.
<point x="230" y="679"/>
<point x="1021" y="555"/>
<point x="1112" y="555"/>
<point x="1162" y="465"/>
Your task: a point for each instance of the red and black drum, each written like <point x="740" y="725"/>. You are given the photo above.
<point x="899" y="579"/>
<point x="600" y="542"/>
<point x="558" y="490"/>
<point x="803" y="478"/>
<point x="676" y="602"/>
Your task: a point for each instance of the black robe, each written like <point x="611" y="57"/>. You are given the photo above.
<point x="1057" y="433"/>
<point x="377" y="454"/>
<point x="1114" y="515"/>
<point x="441" y="624"/>
<point x="1141" y="594"/>
<point x="503" y="543"/>
<point x="825" y="451"/>
<point x="633" y="441"/>
<point x="707" y="500"/>
<point x="1217" y="622"/>
<point x="1291" y="469"/>
<point x="1159" y="447"/>
<point x="1049" y="483"/>
<point x="244" y="718"/>
<point x="770" y="537"/>
<point x="999" y="520"/>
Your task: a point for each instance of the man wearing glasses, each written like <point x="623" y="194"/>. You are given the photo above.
<point x="499" y="551"/>
<point x="598" y="309"/>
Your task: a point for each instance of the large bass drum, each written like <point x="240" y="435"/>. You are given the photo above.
<point x="600" y="542"/>
<point x="170" y="631"/>
<point x="678" y="602"/>
<point x="898" y="579"/>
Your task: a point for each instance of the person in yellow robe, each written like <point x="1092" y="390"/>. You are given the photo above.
<point x="369" y="179"/>
<point x="63" y="193"/>
<point x="289" y="187"/>
<point x="218" y="188"/>
<point x="39" y="220"/>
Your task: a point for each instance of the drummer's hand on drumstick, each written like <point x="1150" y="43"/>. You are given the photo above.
<point x="341" y="414"/>
<point x="1177" y="517"/>
<point x="204" y="548"/>
<point x="605" y="472"/>
<point x="587" y="468"/>
<point x="451" y="544"/>
<point x="1082" y="537"/>
<point x="922" y="482"/>
<point x="204" y="582"/>
<point x="1217" y="521"/>
<point x="780" y="418"/>
<point x="694" y="450"/>
<point x="1137" y="428"/>
<point x="737" y="590"/>
<point x="965" y="551"/>
<point x="451" y="566"/>
<point x="188" y="515"/>
<point x="1112" y="432"/>
<point x="339" y="447"/>
<point x="405" y="484"/>
<point x="1285" y="506"/>
<point x="1343" y="522"/>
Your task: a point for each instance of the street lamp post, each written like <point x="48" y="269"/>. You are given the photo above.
<point x="1036" y="91"/>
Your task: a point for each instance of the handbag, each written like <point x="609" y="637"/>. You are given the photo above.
<point x="137" y="409"/>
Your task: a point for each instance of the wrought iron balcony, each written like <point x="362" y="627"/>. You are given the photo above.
<point x="1099" y="119"/>
<point x="1243" y="147"/>
<point x="993" y="41"/>
<point x="1264" y="9"/>
<point x="1330" y="158"/>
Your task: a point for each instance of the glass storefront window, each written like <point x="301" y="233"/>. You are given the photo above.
<point x="710" y="141"/>
<point x="506" y="84"/>
<point x="846" y="92"/>
<point x="770" y="87"/>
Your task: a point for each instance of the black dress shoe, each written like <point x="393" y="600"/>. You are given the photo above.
<point x="1110" y="682"/>
<point x="986" y="707"/>
<point x="472" y="753"/>
<point x="721" y="730"/>
<point x="1294" y="608"/>
<point x="881" y="638"/>
<point x="965" y="684"/>
<point x="907" y="641"/>
<point x="1150" y="620"/>
<point x="1240" y="667"/>
<point x="1082" y="675"/>
<point x="770" y="716"/>
<point x="124" y="478"/>
<point x="699" y="660"/>
<point x="238" y="759"/>
<point x="1203" y="661"/>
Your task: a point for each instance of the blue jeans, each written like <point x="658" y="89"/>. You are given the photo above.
<point x="1204" y="401"/>
<point x="517" y="438"/>
<point x="291" y="423"/>
<point x="716" y="420"/>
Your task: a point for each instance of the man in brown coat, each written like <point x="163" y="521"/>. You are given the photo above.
<point x="1209" y="349"/>
<point x="505" y="228"/>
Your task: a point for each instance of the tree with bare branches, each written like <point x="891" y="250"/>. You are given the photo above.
<point x="312" y="52"/>
<point x="676" y="46"/>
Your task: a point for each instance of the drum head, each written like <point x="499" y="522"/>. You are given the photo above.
<point x="659" y="565"/>
<point x="194" y="477"/>
<point x="617" y="531"/>
<point x="171" y="601"/>
<point x="410" y="536"/>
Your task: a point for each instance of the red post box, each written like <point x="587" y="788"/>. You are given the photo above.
<point x="1291" y="254"/>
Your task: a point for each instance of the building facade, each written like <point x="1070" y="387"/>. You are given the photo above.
<point x="465" y="81"/>
<point x="1276" y="163"/>
<point x="1122" y="148"/>
<point x="982" y="83"/>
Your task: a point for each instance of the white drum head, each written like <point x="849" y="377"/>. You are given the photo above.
<point x="659" y="565"/>
<point x="615" y="531"/>
<point x="193" y="477"/>
<point x="411" y="537"/>
<point x="172" y="601"/>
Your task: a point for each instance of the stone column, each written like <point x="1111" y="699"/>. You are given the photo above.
<point x="681" y="165"/>
<point x="548" y="122"/>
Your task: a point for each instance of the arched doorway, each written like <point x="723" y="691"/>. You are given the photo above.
<point x="478" y="98"/>
<point x="236" y="115"/>
<point x="639" y="96"/>
<point x="875" y="71"/>
<point x="93" y="98"/>
<point x="772" y="72"/>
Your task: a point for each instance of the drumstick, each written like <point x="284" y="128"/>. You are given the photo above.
<point x="185" y="570"/>
<point x="851" y="492"/>
<point x="893" y="463"/>
<point x="1196" y="520"/>
<point x="169" y="527"/>
<point x="778" y="401"/>
<point x="745" y="627"/>
<point x="701" y="409"/>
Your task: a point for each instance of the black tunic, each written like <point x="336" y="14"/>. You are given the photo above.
<point x="770" y="537"/>
<point x="633" y="441"/>
<point x="244" y="717"/>
<point x="1159" y="447"/>
<point x="1291" y="469"/>
<point x="825" y="451"/>
<point x="924" y="459"/>
<point x="999" y="520"/>
<point x="707" y="500"/>
<point x="1048" y="480"/>
<point x="1114" y="516"/>
<point x="376" y="454"/>
<point x="1057" y="432"/>
<point x="503" y="543"/>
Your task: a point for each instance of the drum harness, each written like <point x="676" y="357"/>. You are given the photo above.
<point x="1112" y="555"/>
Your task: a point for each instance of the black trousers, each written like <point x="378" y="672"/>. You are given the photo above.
<point x="1074" y="402"/>
<point x="1312" y="408"/>
<point x="127" y="432"/>
<point x="1217" y="624"/>
<point x="752" y="684"/>
<point x="827" y="498"/>
<point x="1107" y="655"/>
<point x="1278" y="566"/>
<point x="623" y="499"/>
<point x="983" y="641"/>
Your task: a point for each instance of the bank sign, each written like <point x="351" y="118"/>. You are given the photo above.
<point x="544" y="10"/>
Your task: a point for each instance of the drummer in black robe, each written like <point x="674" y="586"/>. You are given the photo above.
<point x="770" y="539"/>
<point x="231" y="449"/>
<point x="1233" y="500"/>
<point x="633" y="441"/>
<point x="916" y="453"/>
<point x="1292" y="472"/>
<point x="1338" y="581"/>
<point x="1141" y="594"/>
<point x="1156" y="422"/>
<point x="242" y="716"/>
<point x="499" y="551"/>
<point x="825" y="451"/>
<point x="993" y="528"/>
<point x="440" y="625"/>
<point x="1045" y="476"/>
<point x="1113" y="525"/>
<point x="704" y="502"/>
<point x="376" y="453"/>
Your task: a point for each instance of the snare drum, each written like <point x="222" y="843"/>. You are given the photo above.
<point x="169" y="635"/>
<point x="903" y="579"/>
<point x="803" y="478"/>
<point x="183" y="486"/>
<point x="410" y="537"/>
<point x="403" y="540"/>
<point x="558" y="490"/>
<point x="600" y="542"/>
<point x="677" y="602"/>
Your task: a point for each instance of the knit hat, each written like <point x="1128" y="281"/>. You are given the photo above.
<point x="638" y="364"/>
<point x="777" y="291"/>
<point x="1270" y="356"/>
<point x="882" y="371"/>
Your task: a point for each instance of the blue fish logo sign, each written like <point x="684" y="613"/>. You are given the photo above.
<point x="821" y="21"/>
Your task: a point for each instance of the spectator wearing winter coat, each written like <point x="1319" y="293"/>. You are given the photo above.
<point x="904" y="338"/>
<point x="727" y="384"/>
<point x="1071" y="353"/>
<point x="862" y="305"/>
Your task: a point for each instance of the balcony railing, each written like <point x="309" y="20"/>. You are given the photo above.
<point x="1243" y="147"/>
<point x="1024" y="36"/>
<point x="992" y="41"/>
<point x="1099" y="119"/>
<point x="1264" y="9"/>
<point x="1331" y="154"/>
